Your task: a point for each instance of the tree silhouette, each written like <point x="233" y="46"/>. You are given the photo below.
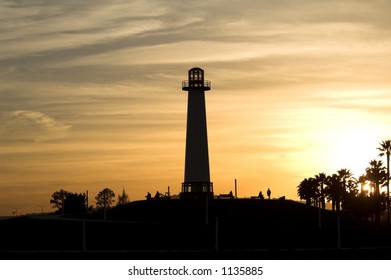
<point x="105" y="198"/>
<point x="361" y="181"/>
<point x="69" y="202"/>
<point x="58" y="198"/>
<point x="342" y="189"/>
<point x="345" y="176"/>
<point x="349" y="186"/>
<point x="335" y="191"/>
<point x="75" y="203"/>
<point x="363" y="206"/>
<point x="308" y="190"/>
<point x="385" y="149"/>
<point x="123" y="198"/>
<point x="376" y="174"/>
<point x="321" y="180"/>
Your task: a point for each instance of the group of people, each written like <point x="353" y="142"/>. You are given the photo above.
<point x="268" y="192"/>
<point x="157" y="196"/>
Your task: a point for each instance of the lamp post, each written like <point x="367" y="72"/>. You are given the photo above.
<point x="41" y="206"/>
<point x="15" y="212"/>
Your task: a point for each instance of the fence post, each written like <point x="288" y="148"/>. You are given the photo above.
<point x="339" y="232"/>
<point x="84" y="236"/>
<point x="217" y="235"/>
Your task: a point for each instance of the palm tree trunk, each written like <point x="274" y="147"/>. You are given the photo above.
<point x="338" y="205"/>
<point x="388" y="189"/>
<point x="377" y="196"/>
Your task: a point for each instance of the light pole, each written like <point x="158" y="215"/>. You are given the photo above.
<point x="104" y="204"/>
<point x="236" y="189"/>
<point x="63" y="202"/>
<point x="15" y="212"/>
<point x="385" y="149"/>
<point x="41" y="206"/>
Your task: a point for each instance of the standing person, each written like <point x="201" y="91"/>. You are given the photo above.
<point x="269" y="192"/>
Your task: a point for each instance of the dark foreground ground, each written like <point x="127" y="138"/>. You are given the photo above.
<point x="177" y="229"/>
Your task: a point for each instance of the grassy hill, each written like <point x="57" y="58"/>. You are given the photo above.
<point x="240" y="228"/>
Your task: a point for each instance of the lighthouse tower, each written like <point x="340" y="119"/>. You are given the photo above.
<point x="197" y="182"/>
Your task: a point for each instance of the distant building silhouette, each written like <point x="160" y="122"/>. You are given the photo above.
<point x="197" y="182"/>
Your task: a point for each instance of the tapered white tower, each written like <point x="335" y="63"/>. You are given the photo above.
<point x="197" y="182"/>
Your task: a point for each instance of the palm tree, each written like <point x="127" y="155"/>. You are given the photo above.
<point x="345" y="176"/>
<point x="335" y="191"/>
<point x="376" y="174"/>
<point x="307" y="190"/>
<point x="321" y="179"/>
<point x="349" y="187"/>
<point x="361" y="182"/>
<point x="385" y="149"/>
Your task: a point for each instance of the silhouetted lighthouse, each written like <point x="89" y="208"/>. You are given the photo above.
<point x="197" y="182"/>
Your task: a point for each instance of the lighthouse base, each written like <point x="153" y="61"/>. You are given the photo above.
<point x="196" y="190"/>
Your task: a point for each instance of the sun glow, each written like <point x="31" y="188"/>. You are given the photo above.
<point x="350" y="139"/>
<point x="366" y="187"/>
<point x="355" y="150"/>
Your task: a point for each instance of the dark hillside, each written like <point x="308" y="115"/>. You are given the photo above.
<point x="222" y="228"/>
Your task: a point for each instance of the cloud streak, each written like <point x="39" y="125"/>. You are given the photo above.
<point x="31" y="126"/>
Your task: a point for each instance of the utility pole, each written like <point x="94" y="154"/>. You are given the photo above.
<point x="41" y="206"/>
<point x="338" y="232"/>
<point x="236" y="189"/>
<point x="388" y="186"/>
<point x="104" y="205"/>
<point x="217" y="234"/>
<point x="84" y="235"/>
<point x="319" y="217"/>
<point x="63" y="202"/>
<point x="206" y="211"/>
<point x="87" y="201"/>
<point x="15" y="212"/>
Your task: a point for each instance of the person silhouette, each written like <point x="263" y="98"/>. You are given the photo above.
<point x="269" y="192"/>
<point x="260" y="195"/>
<point x="148" y="196"/>
<point x="157" y="195"/>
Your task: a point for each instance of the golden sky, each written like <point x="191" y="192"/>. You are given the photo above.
<point x="90" y="93"/>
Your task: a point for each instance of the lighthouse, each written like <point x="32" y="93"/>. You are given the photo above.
<point x="197" y="182"/>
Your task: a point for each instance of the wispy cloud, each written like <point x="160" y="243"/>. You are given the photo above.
<point x="31" y="126"/>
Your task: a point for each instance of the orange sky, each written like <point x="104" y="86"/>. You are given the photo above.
<point x="91" y="93"/>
